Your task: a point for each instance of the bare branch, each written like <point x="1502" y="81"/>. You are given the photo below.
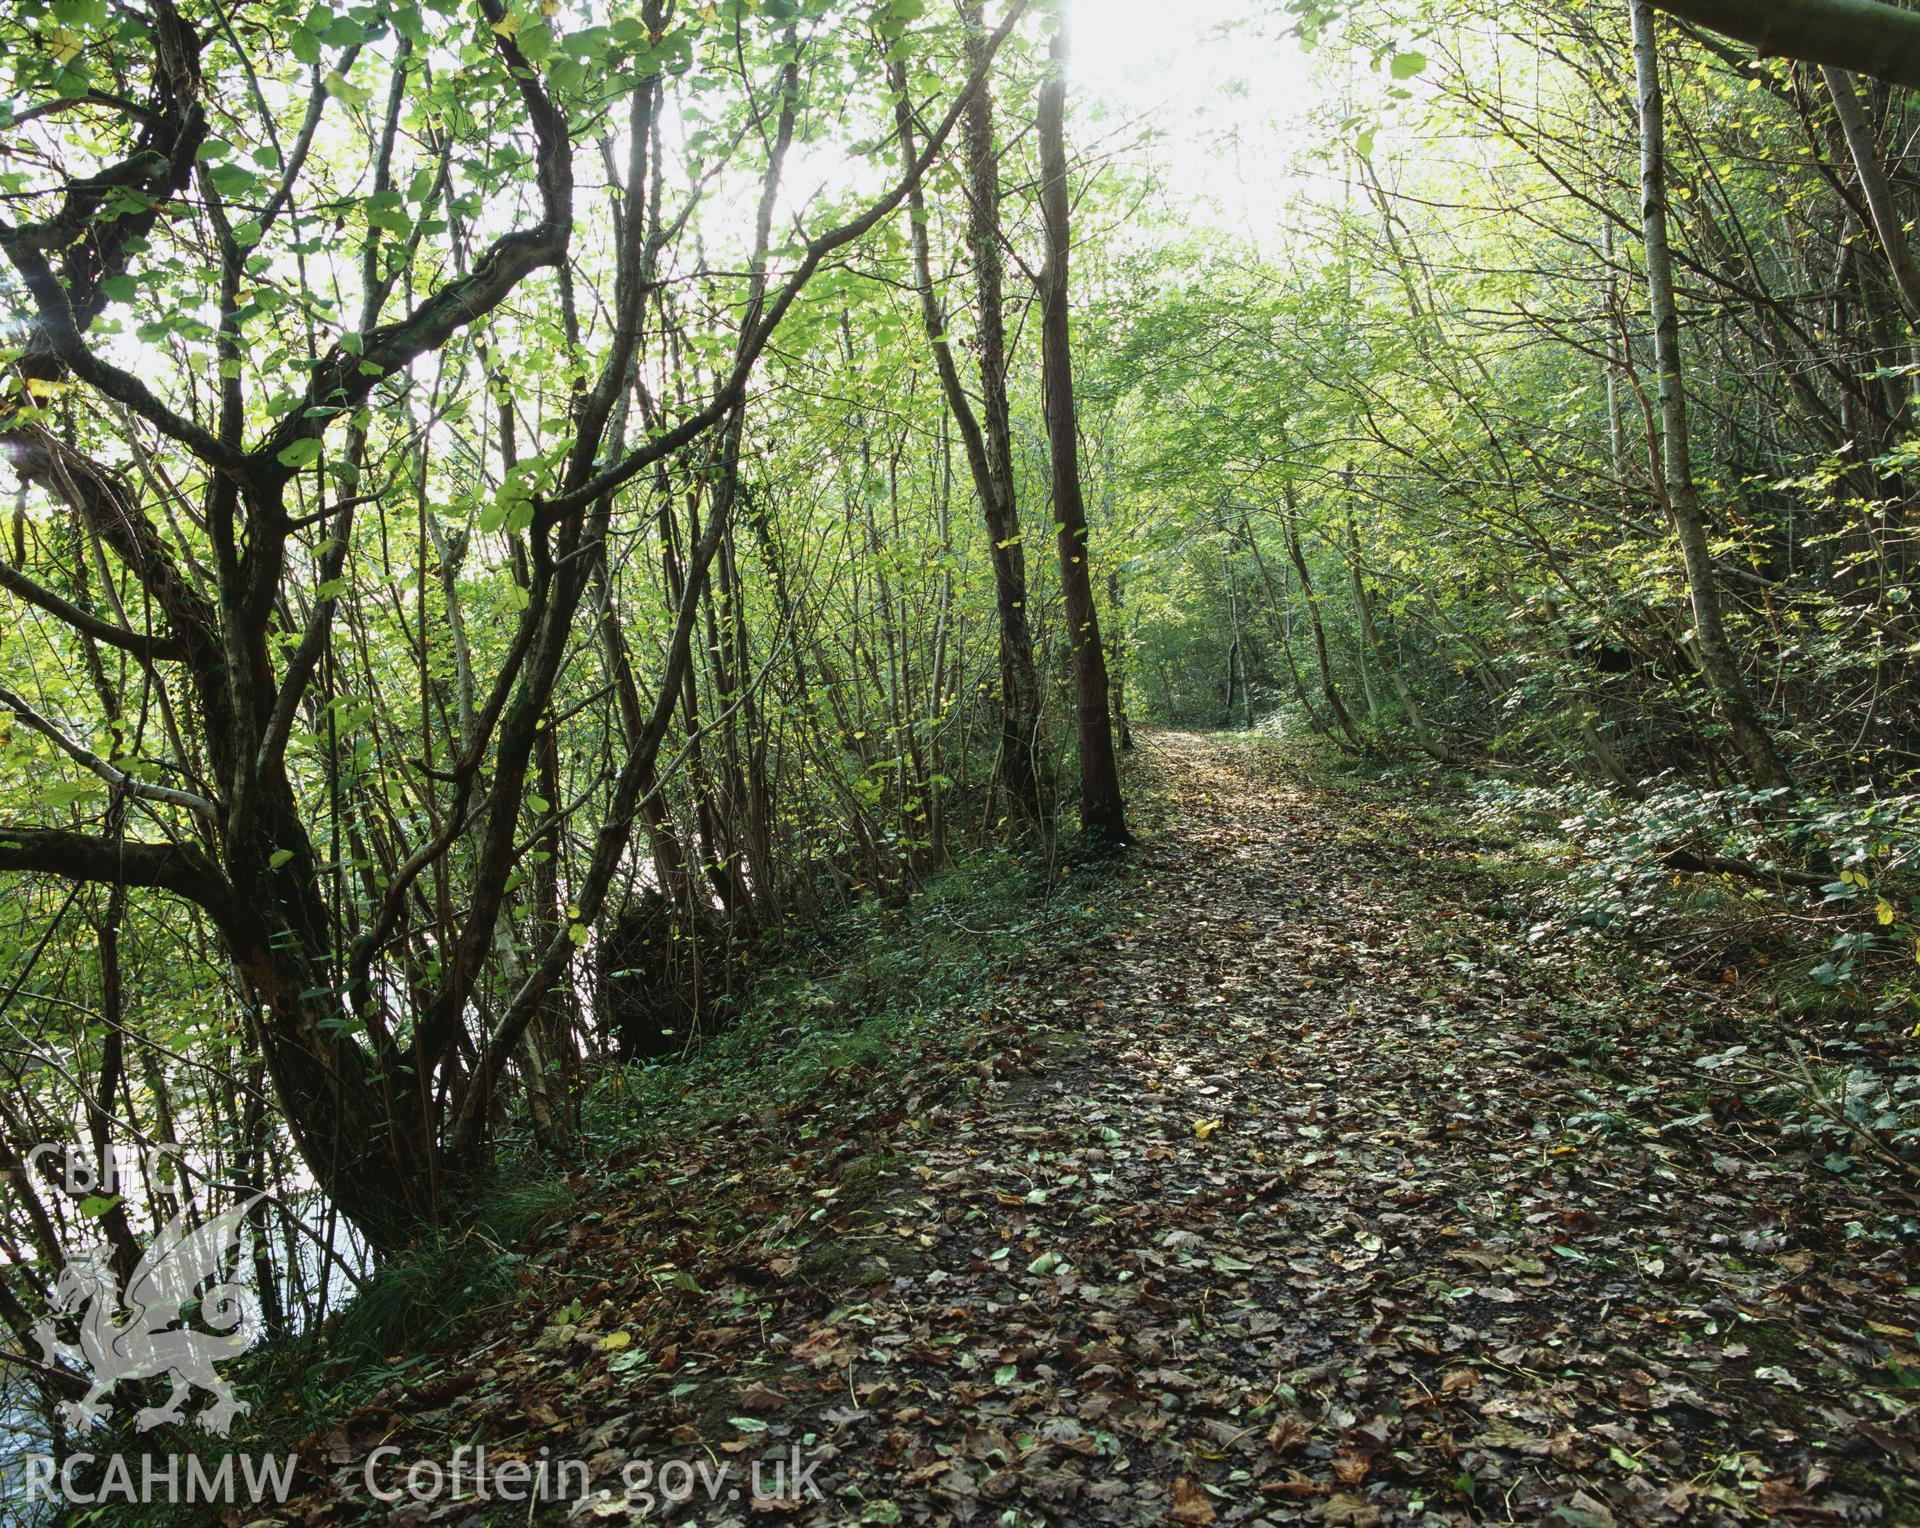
<point x="119" y="779"/>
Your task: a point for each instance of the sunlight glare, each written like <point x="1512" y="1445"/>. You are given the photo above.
<point x="1224" y="95"/>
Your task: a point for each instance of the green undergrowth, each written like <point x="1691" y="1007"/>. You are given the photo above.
<point x="1798" y="1004"/>
<point x="862" y="998"/>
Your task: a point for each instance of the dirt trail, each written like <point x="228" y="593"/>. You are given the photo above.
<point x="1324" y="1202"/>
<point x="1316" y="1223"/>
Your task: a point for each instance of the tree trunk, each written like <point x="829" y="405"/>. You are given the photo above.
<point x="1874" y="186"/>
<point x="1102" y="818"/>
<point x="1117" y="666"/>
<point x="1019" y="679"/>
<point x="1717" y="659"/>
<point x="1297" y="555"/>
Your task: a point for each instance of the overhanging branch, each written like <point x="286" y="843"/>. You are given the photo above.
<point x="178" y="868"/>
<point x="151" y="648"/>
<point x="1866" y="36"/>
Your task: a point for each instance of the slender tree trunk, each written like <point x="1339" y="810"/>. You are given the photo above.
<point x="1362" y="610"/>
<point x="993" y="473"/>
<point x="1616" y="366"/>
<point x="113" y="1044"/>
<point x="1117" y="665"/>
<point x="1278" y="608"/>
<point x="1370" y="637"/>
<point x="1717" y="659"/>
<point x="1102" y="817"/>
<point x="1297" y="555"/>
<point x="1236" y="647"/>
<point x="1887" y="222"/>
<point x="550" y="1038"/>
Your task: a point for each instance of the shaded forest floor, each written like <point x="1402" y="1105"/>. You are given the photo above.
<point x="1299" y="1189"/>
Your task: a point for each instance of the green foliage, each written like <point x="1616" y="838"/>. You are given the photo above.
<point x="352" y="578"/>
<point x="888" y="982"/>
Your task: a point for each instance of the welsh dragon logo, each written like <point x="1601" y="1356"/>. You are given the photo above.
<point x="140" y="1332"/>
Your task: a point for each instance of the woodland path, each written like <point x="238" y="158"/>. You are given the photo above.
<point x="1319" y="1200"/>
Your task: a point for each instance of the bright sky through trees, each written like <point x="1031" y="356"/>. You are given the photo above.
<point x="1223" y="95"/>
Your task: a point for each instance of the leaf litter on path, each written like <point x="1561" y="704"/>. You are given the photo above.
<point x="1292" y="1206"/>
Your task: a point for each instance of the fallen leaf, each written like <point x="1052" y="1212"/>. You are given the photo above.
<point x="1289" y="1433"/>
<point x="1191" y="1508"/>
<point x="761" y="1398"/>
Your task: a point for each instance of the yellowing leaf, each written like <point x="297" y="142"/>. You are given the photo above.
<point x="341" y="88"/>
<point x="1884" y="912"/>
<point x="613" y="1342"/>
<point x="1205" y="1127"/>
<point x="508" y="25"/>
